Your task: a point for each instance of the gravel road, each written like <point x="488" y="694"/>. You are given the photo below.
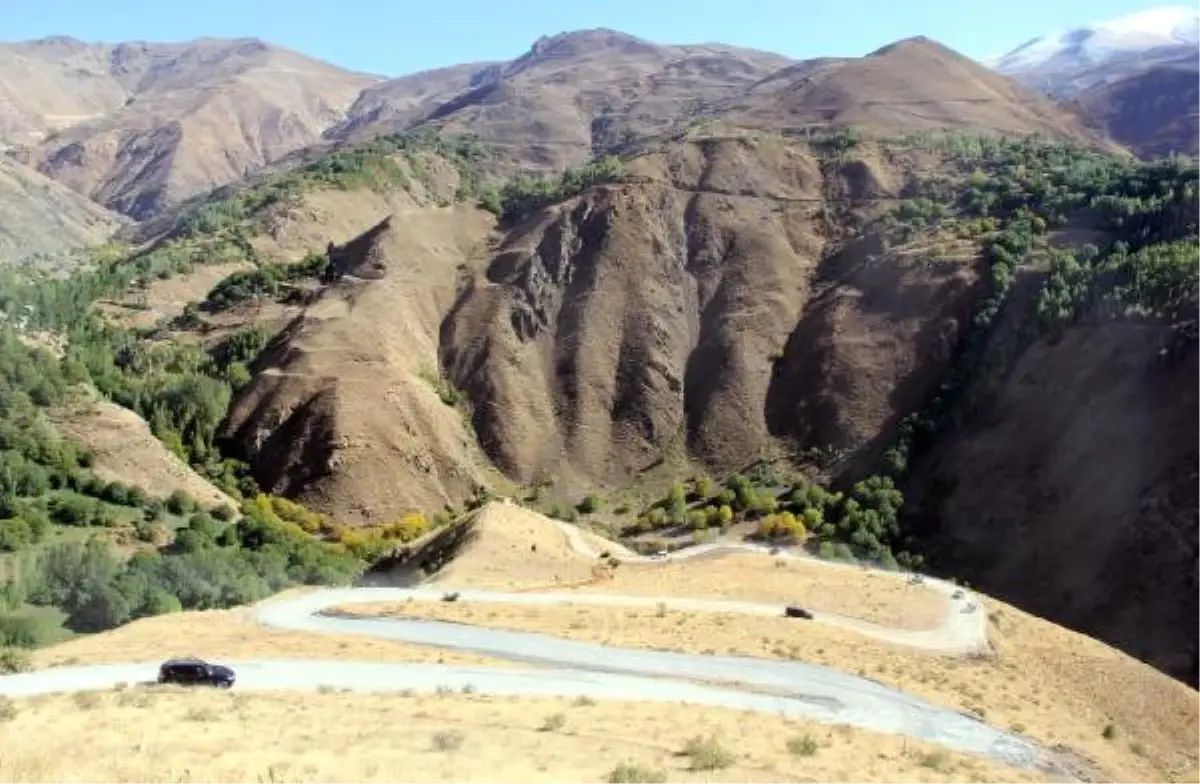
<point x="553" y="666"/>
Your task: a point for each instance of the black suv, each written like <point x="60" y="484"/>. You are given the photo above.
<point x="193" y="672"/>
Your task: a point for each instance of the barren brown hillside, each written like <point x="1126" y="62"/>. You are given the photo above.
<point x="1076" y="497"/>
<point x="126" y="450"/>
<point x="38" y="215"/>
<point x="574" y="94"/>
<point x="912" y="85"/>
<point x="138" y="126"/>
<point x="683" y="309"/>
<point x="345" y="410"/>
<point x="1154" y="112"/>
<point x="569" y="95"/>
<point x="695" y="310"/>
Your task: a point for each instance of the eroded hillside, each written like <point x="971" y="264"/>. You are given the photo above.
<point x="689" y="310"/>
<point x="680" y="311"/>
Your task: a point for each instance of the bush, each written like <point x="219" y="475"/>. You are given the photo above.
<point x="782" y="526"/>
<point x="180" y="503"/>
<point x="553" y="723"/>
<point x="14" y="660"/>
<point x="447" y="741"/>
<point x="589" y="504"/>
<point x="21" y="631"/>
<point x="15" y="534"/>
<point x="631" y="773"/>
<point x="708" y="754"/>
<point x="802" y="745"/>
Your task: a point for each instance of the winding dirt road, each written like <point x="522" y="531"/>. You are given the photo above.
<point x="554" y="666"/>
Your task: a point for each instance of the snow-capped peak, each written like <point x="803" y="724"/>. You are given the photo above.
<point x="1126" y="35"/>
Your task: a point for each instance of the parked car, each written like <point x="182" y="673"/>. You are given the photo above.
<point x="195" y="672"/>
<point x="797" y="612"/>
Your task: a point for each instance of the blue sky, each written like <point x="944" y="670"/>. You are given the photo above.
<point x="395" y="37"/>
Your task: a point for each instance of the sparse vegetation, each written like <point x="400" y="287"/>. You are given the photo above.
<point x="268" y="281"/>
<point x="525" y="193"/>
<point x="803" y="745"/>
<point x="553" y="723"/>
<point x="632" y="773"/>
<point x="707" y="753"/>
<point x="935" y="760"/>
<point x="447" y="741"/>
<point x="13" y="660"/>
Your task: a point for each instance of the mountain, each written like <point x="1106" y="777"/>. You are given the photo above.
<point x="1154" y="110"/>
<point x="138" y="126"/>
<point x="912" y="85"/>
<point x="1069" y="61"/>
<point x="577" y="94"/>
<point x="569" y="96"/>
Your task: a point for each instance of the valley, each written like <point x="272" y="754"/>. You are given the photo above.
<point x="631" y="345"/>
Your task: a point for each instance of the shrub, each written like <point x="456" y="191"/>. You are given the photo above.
<point x="180" y="503"/>
<point x="553" y="723"/>
<point x="802" y="745"/>
<point x="14" y="660"/>
<point x="411" y="526"/>
<point x="631" y="773"/>
<point x="589" y="504"/>
<point x="782" y="526"/>
<point x="15" y="534"/>
<point x="23" y="631"/>
<point x="708" y="754"/>
<point x="447" y="741"/>
<point x="937" y="760"/>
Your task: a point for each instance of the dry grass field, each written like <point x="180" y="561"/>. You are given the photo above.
<point x="166" y="735"/>
<point x="1119" y="719"/>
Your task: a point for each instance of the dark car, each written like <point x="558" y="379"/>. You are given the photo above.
<point x="195" y="672"/>
<point x="798" y="612"/>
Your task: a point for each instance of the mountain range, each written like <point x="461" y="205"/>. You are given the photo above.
<point x="1134" y="77"/>
<point x="138" y="127"/>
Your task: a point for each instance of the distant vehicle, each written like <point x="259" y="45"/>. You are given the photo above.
<point x="797" y="612"/>
<point x="659" y="554"/>
<point x="450" y="597"/>
<point x="195" y="672"/>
